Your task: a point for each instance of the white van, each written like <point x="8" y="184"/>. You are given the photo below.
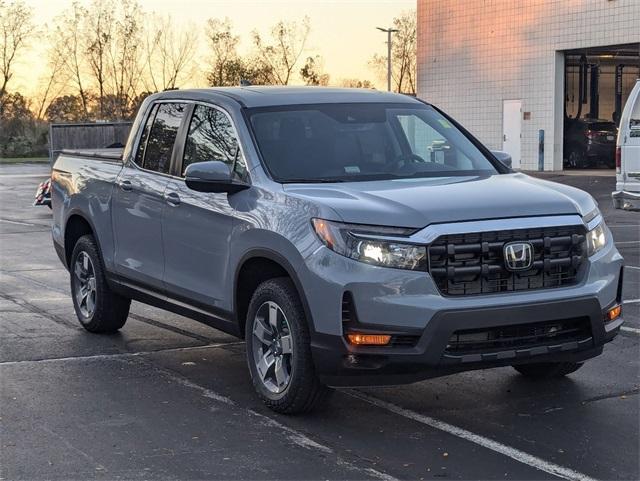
<point x="627" y="194"/>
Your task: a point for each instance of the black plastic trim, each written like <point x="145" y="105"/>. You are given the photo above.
<point x="209" y="315"/>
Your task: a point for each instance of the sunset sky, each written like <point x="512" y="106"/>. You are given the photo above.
<point x="342" y="31"/>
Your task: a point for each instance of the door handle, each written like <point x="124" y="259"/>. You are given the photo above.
<point x="125" y="185"/>
<point x="172" y="198"/>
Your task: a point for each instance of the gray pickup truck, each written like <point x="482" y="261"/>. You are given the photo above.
<point x="352" y="237"/>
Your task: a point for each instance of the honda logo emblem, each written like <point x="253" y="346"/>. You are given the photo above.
<point x="518" y="256"/>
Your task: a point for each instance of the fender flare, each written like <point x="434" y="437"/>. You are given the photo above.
<point x="286" y="265"/>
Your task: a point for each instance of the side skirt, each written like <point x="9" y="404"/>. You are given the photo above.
<point x="218" y="319"/>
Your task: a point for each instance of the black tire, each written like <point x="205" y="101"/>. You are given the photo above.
<point x="547" y="370"/>
<point x="110" y="310"/>
<point x="304" y="391"/>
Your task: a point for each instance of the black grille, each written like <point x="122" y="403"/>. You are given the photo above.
<point x="520" y="336"/>
<point x="466" y="264"/>
<point x="404" y="340"/>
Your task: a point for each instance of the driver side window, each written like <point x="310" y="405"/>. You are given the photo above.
<point x="211" y="137"/>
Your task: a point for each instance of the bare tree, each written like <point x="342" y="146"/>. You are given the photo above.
<point x="225" y="65"/>
<point x="97" y="40"/>
<point x="16" y="25"/>
<point x="124" y="59"/>
<point x="281" y="53"/>
<point x="312" y="72"/>
<point x="356" y="83"/>
<point x="169" y="53"/>
<point x="403" y="55"/>
<point x="52" y="85"/>
<point x="67" y="42"/>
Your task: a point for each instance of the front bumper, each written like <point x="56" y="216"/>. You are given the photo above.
<point x="340" y="364"/>
<point x="627" y="200"/>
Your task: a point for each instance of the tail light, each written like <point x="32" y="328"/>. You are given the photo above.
<point x="618" y="159"/>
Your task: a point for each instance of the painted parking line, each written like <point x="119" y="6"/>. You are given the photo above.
<point x="622" y="226"/>
<point x="631" y="301"/>
<point x="618" y="243"/>
<point x="632" y="267"/>
<point x="513" y="453"/>
<point x="633" y="330"/>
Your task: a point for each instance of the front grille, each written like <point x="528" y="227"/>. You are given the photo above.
<point x="467" y="264"/>
<point x="519" y="336"/>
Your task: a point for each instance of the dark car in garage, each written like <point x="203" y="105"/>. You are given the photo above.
<point x="589" y="143"/>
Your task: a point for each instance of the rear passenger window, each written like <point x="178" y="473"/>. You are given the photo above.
<point x="211" y="137"/>
<point x="145" y="135"/>
<point x="157" y="156"/>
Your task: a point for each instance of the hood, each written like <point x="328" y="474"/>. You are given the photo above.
<point x="420" y="202"/>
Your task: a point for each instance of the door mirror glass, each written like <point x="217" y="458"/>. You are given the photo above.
<point x="503" y="157"/>
<point x="212" y="176"/>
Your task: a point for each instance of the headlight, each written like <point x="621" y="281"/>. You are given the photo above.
<point x="360" y="243"/>
<point x="596" y="239"/>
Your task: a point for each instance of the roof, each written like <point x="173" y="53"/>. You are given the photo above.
<point x="262" y="96"/>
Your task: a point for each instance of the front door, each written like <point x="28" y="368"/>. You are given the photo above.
<point x="138" y="199"/>
<point x="512" y="130"/>
<point x="197" y="226"/>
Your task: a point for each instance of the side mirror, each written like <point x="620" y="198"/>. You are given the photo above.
<point x="212" y="176"/>
<point x="503" y="157"/>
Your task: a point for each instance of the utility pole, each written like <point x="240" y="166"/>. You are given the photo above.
<point x="389" y="31"/>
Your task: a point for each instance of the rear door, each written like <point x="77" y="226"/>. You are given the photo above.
<point x="138" y="198"/>
<point x="196" y="227"/>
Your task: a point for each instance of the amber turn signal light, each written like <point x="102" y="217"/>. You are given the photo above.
<point x="614" y="313"/>
<point x="359" y="339"/>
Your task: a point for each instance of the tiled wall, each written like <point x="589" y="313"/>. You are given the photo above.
<point x="473" y="54"/>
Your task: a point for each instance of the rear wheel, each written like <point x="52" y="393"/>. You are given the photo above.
<point x="97" y="307"/>
<point x="279" y="351"/>
<point x="547" y="370"/>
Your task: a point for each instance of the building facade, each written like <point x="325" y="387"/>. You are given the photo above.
<point x="514" y="72"/>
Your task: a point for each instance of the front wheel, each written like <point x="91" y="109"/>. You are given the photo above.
<point x="279" y="351"/>
<point x="98" y="308"/>
<point x="547" y="370"/>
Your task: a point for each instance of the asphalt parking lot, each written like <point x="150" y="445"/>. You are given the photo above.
<point x="168" y="398"/>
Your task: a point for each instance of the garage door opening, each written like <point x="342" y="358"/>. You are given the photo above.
<point x="597" y="83"/>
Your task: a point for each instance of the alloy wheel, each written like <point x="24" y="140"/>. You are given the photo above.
<point x="272" y="347"/>
<point x="85" y="285"/>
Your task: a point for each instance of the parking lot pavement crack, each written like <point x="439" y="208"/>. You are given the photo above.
<point x="169" y="327"/>
<point x="137" y="317"/>
<point x="621" y="395"/>
<point x="41" y="312"/>
<point x="117" y="355"/>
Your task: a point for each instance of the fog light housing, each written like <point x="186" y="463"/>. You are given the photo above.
<point x="613" y="313"/>
<point x="361" y="339"/>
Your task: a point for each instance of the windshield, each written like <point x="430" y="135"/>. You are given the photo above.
<point x="356" y="142"/>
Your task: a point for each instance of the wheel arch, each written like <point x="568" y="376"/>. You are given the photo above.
<point x="264" y="264"/>
<point x="75" y="227"/>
